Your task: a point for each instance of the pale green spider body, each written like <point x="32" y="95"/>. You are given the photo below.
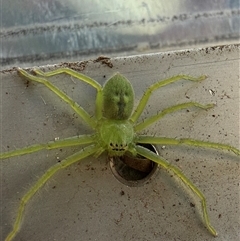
<point x="116" y="128"/>
<point x="115" y="132"/>
<point x="118" y="98"/>
<point x="116" y="136"/>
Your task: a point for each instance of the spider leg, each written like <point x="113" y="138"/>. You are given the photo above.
<point x="163" y="163"/>
<point x="149" y="121"/>
<point x="67" y="142"/>
<point x="41" y="181"/>
<point x="186" y="141"/>
<point x="77" y="108"/>
<point x="81" y="77"/>
<point x="138" y="111"/>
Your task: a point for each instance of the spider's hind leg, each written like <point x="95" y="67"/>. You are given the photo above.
<point x="149" y="121"/>
<point x="81" y="77"/>
<point x="138" y="111"/>
<point x="76" y="107"/>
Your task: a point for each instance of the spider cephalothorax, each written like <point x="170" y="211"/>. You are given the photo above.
<point x="116" y="130"/>
<point x="116" y="136"/>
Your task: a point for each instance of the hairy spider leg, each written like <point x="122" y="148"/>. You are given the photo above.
<point x="81" y="77"/>
<point x="66" y="142"/>
<point x="138" y="111"/>
<point x="149" y="121"/>
<point x="185" y="141"/>
<point x="163" y="163"/>
<point x="90" y="150"/>
<point x="75" y="106"/>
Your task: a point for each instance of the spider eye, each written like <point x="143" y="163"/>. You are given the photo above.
<point x="118" y="147"/>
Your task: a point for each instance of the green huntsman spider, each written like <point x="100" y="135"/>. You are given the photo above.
<point x="115" y="126"/>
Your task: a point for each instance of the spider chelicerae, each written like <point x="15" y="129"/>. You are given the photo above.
<point x="115" y="130"/>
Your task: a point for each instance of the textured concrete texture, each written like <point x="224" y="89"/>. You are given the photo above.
<point x="85" y="201"/>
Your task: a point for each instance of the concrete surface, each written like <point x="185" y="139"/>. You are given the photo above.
<point x="85" y="201"/>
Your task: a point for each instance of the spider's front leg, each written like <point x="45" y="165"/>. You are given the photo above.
<point x="167" y="166"/>
<point x="182" y="141"/>
<point x="90" y="150"/>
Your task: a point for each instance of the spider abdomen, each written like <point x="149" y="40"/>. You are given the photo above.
<point x="118" y="98"/>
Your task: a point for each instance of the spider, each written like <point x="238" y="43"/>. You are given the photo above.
<point x="115" y="130"/>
